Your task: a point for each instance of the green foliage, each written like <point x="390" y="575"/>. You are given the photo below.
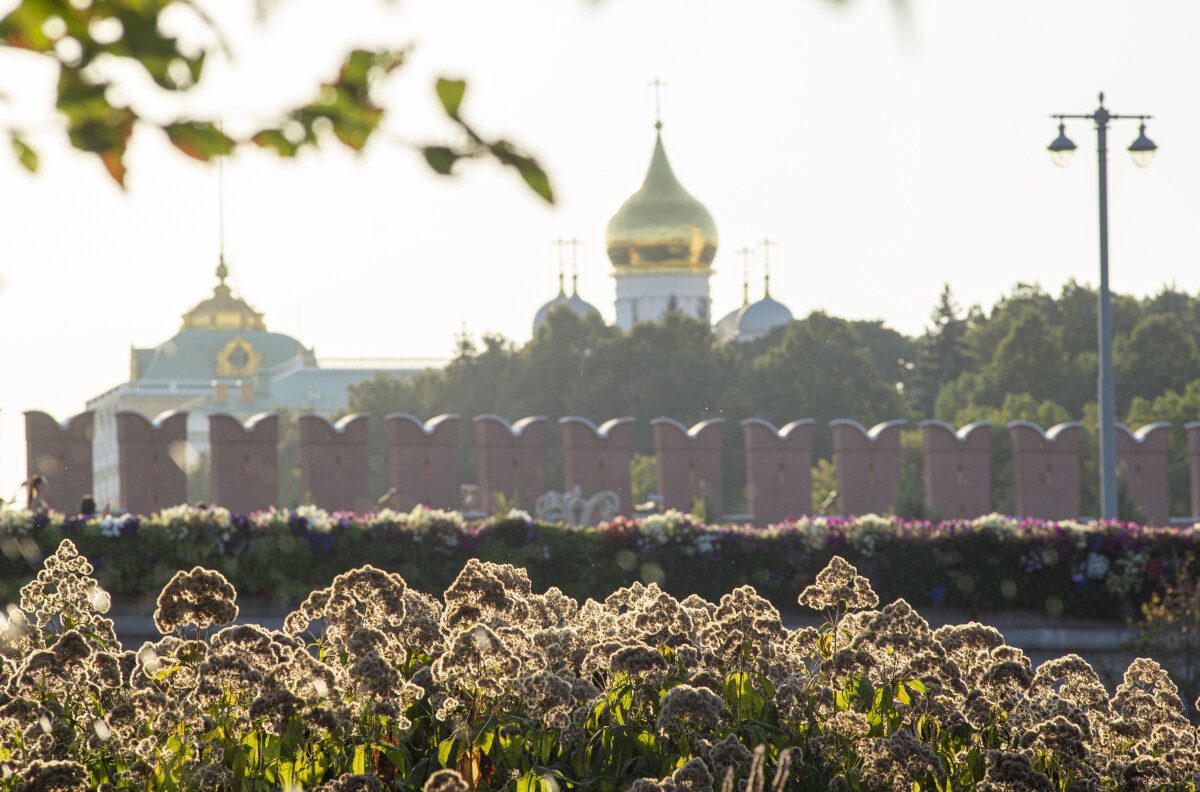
<point x="1157" y="357"/>
<point x="287" y="452"/>
<point x="199" y="479"/>
<point x="75" y="36"/>
<point x="1167" y="628"/>
<point x="824" y="487"/>
<point x="910" y="497"/>
<point x="1026" y="360"/>
<point x="374" y="684"/>
<point x="942" y="355"/>
<point x="643" y="477"/>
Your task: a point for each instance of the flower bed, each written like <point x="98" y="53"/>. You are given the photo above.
<point x="1080" y="569"/>
<point x="373" y="685"/>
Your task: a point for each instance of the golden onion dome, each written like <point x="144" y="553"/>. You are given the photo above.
<point x="661" y="225"/>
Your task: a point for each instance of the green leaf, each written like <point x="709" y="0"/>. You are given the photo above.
<point x="25" y="155"/>
<point x="359" y="765"/>
<point x="450" y="92"/>
<point x="440" y="158"/>
<point x="536" y="178"/>
<point x="199" y="139"/>
<point x="445" y="750"/>
<point x="484" y="740"/>
<point x="275" y="140"/>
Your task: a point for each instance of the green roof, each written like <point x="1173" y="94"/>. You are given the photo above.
<point x="192" y="354"/>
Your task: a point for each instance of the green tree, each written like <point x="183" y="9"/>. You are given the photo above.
<point x="820" y="370"/>
<point x="1029" y="358"/>
<point x="287" y="451"/>
<point x="942" y="355"/>
<point x="1158" y="356"/>
<point x="892" y="352"/>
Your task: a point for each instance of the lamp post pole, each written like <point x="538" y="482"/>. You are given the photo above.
<point x="1142" y="151"/>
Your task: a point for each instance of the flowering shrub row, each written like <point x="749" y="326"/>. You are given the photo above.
<point x="1082" y="569"/>
<point x="372" y="685"/>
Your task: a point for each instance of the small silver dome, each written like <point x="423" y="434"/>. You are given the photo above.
<point x="726" y="328"/>
<point x="759" y="318"/>
<point x="580" y="306"/>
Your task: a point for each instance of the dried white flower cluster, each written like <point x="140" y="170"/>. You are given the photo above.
<point x="495" y="679"/>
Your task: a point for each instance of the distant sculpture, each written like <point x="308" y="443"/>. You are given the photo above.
<point x="574" y="509"/>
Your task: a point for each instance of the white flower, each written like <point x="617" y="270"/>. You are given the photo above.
<point x="998" y="523"/>
<point x="112" y="526"/>
<point x="318" y="519"/>
<point x="519" y="514"/>
<point x="16" y="522"/>
<point x="815" y="531"/>
<point x="1097" y="566"/>
<point x="866" y="532"/>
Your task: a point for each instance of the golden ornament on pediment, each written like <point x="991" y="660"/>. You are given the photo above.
<point x="238" y="359"/>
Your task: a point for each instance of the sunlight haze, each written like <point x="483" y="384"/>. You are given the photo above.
<point x="886" y="148"/>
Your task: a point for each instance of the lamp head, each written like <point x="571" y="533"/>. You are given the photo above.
<point x="1062" y="149"/>
<point x="1142" y="150"/>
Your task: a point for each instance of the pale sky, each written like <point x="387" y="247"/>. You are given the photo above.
<point x="885" y="152"/>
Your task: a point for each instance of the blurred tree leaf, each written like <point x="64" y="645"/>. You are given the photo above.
<point x="451" y="93"/>
<point x="74" y="35"/>
<point x="440" y="158"/>
<point x="275" y="140"/>
<point x="25" y="155"/>
<point x="199" y="139"/>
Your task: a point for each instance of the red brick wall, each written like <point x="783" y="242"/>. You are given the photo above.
<point x="597" y="458"/>
<point x="62" y="453"/>
<point x="689" y="463"/>
<point x="244" y="458"/>
<point x="868" y="465"/>
<point x="778" y="469"/>
<point x="1045" y="470"/>
<point x="510" y="460"/>
<point x="151" y="460"/>
<point x="957" y="469"/>
<point x="424" y="461"/>
<point x="333" y="462"/>
<point x="1142" y="462"/>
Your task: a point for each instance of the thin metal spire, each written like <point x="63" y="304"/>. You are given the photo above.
<point x="766" y="246"/>
<point x="745" y="253"/>
<point x="657" y="84"/>
<point x="560" y="243"/>
<point x="574" y="243"/>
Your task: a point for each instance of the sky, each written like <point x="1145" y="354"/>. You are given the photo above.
<point x="885" y="148"/>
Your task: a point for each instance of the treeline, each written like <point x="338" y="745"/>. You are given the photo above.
<point x="1032" y="356"/>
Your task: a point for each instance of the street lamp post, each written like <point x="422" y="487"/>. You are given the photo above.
<point x="1142" y="151"/>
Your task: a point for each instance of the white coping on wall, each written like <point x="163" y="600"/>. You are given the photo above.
<point x="691" y="433"/>
<point x="340" y="426"/>
<point x="961" y="434"/>
<point x="1051" y="434"/>
<point x="514" y="429"/>
<point x="63" y="425"/>
<point x="1143" y="432"/>
<point x="251" y="422"/>
<point x="158" y="420"/>
<point x="429" y="427"/>
<point x="603" y="430"/>
<point x="1192" y="425"/>
<point x="871" y="434"/>
<point x="783" y="433"/>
